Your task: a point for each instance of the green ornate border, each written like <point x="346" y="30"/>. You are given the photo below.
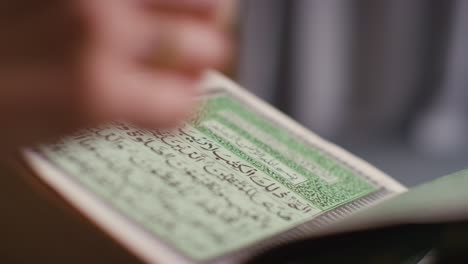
<point x="320" y="193"/>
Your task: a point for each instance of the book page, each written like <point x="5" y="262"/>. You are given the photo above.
<point x="438" y="201"/>
<point x="236" y="178"/>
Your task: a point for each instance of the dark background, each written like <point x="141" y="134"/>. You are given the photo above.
<point x="384" y="79"/>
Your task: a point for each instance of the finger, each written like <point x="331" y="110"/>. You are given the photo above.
<point x="187" y="45"/>
<point x="154" y="98"/>
<point x="162" y="41"/>
<point x="158" y="99"/>
<point x="117" y="26"/>
<point x="200" y="8"/>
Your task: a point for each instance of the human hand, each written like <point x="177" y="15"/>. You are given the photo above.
<point x="69" y="64"/>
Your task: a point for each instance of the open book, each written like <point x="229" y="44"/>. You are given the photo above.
<point x="237" y="180"/>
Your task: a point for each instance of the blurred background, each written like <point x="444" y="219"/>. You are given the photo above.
<point x="384" y="79"/>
